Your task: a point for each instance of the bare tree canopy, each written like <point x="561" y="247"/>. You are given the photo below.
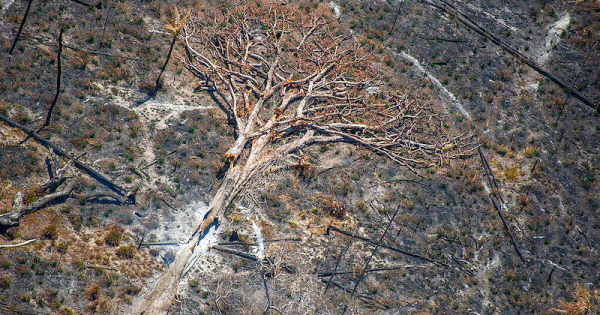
<point x="290" y="77"/>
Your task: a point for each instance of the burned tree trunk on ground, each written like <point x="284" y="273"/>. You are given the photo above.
<point x="58" y="176"/>
<point x="288" y="80"/>
<point x="120" y="191"/>
<point x="14" y="44"/>
<point x="58" y="75"/>
<point x="19" y="209"/>
<point x="97" y="5"/>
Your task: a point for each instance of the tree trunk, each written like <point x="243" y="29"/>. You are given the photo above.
<point x="160" y="299"/>
<point x="58" y="75"/>
<point x="158" y="85"/>
<point x="19" y="209"/>
<point x="12" y="48"/>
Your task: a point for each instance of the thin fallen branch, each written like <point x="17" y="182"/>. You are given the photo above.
<point x="80" y="165"/>
<point x="365" y="298"/>
<point x="334" y="272"/>
<point x="398" y="250"/>
<point x="364" y="269"/>
<point x="337" y="263"/>
<point x="156" y="160"/>
<point x="451" y="40"/>
<point x="159" y="244"/>
<point x="235" y="252"/>
<point x="99" y="267"/>
<point x="20" y="244"/>
<point x="97" y="52"/>
<point x="498" y="208"/>
<point x="400" y="181"/>
<point x="285" y="240"/>
<point x="236" y="243"/>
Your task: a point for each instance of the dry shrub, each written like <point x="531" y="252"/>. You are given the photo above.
<point x="473" y="183"/>
<point x="530" y="151"/>
<point x="504" y="75"/>
<point x="66" y="311"/>
<point x="94" y="292"/>
<point x="117" y="74"/>
<point x="332" y="207"/>
<point x="22" y="117"/>
<point x="80" y="60"/>
<point x="584" y="302"/>
<point x="113" y="238"/>
<point x="126" y="252"/>
<point x="50" y="232"/>
<point x="4" y="282"/>
<point x="5" y="45"/>
<point x="511" y="174"/>
<point x="266" y="229"/>
<point x="79" y="142"/>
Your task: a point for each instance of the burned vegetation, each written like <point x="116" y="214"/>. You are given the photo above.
<point x="259" y="157"/>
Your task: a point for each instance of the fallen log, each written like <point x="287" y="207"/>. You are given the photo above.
<point x="80" y="165"/>
<point x="235" y="252"/>
<point x="14" y="44"/>
<point x="19" y="209"/>
<point x="58" y="76"/>
<point x="491" y="179"/>
<point x="97" y="5"/>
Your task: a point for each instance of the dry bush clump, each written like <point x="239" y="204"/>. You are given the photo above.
<point x="530" y="151"/>
<point x="113" y="238"/>
<point x="584" y="301"/>
<point x="126" y="252"/>
<point x="332" y="206"/>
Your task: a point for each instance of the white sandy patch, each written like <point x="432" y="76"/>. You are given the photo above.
<point x="260" y="241"/>
<point x="437" y="83"/>
<point x="201" y="258"/>
<point x="542" y="53"/>
<point x="178" y="226"/>
<point x="162" y="113"/>
<point x="553" y="38"/>
<point x="5" y="4"/>
<point x="498" y="20"/>
<point x="337" y="12"/>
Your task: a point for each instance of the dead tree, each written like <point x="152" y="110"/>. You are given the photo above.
<point x="14" y="44"/>
<point x="288" y="80"/>
<point x="174" y="27"/>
